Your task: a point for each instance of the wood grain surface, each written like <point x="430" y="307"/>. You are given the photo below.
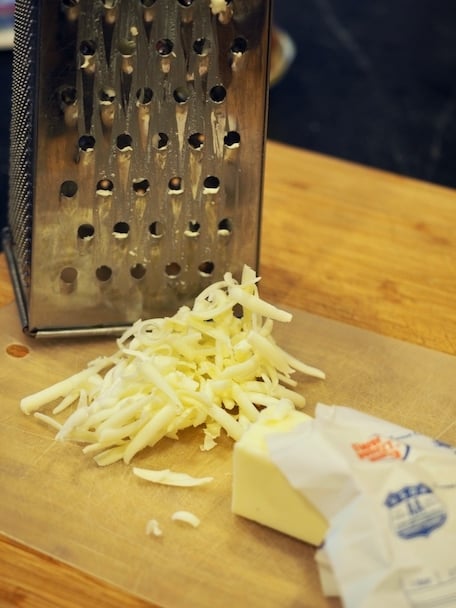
<point x="6" y="290"/>
<point x="362" y="246"/>
<point x="367" y="248"/>
<point x="57" y="500"/>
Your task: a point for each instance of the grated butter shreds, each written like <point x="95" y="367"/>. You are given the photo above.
<point x="187" y="517"/>
<point x="153" y="528"/>
<point x="211" y="365"/>
<point x="170" y="478"/>
<point x="218" y="6"/>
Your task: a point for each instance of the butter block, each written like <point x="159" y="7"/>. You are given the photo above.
<point x="260" y="490"/>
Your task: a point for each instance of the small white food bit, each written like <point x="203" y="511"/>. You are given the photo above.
<point x="218" y="6"/>
<point x="187" y="517"/>
<point x="153" y="528"/>
<point x="170" y="478"/>
<point x="222" y="10"/>
<point x="151" y="432"/>
<point x="260" y="307"/>
<point x="52" y="422"/>
<point x="61" y="389"/>
<point x="210" y="366"/>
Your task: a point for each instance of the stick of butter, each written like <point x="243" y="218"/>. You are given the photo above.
<point x="260" y="490"/>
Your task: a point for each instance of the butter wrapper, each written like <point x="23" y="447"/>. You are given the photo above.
<point x="389" y="495"/>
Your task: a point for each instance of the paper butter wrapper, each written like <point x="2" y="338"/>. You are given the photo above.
<point x="389" y="495"/>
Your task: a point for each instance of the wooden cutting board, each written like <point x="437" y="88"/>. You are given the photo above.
<point x="56" y="500"/>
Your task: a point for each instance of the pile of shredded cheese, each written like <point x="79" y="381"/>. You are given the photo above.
<point x="212" y="365"/>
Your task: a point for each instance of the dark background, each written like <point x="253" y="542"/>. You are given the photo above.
<point x="372" y="82"/>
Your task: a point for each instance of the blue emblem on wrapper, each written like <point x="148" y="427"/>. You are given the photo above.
<point x="415" y="511"/>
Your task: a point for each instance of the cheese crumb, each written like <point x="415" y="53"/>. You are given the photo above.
<point x="187" y="517"/>
<point x="153" y="528"/>
<point x="170" y="478"/>
<point x="218" y="6"/>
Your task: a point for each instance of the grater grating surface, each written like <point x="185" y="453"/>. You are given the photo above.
<point x="21" y="175"/>
<point x="138" y="135"/>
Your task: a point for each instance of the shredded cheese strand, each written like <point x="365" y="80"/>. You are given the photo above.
<point x="213" y="365"/>
<point x="170" y="478"/>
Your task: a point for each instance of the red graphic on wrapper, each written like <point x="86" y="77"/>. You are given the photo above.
<point x="380" y="448"/>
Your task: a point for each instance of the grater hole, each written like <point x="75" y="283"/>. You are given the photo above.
<point x="164" y="47"/>
<point x="88" y="48"/>
<point x="68" y="188"/>
<point x="86" y="143"/>
<point x="196" y="141"/>
<point x="86" y="232"/>
<point x="206" y="268"/>
<point x="141" y="186"/>
<point x="232" y="139"/>
<point x="138" y="271"/>
<point x="175" y="184"/>
<point x="70" y="3"/>
<point x="68" y="96"/>
<point x="124" y="141"/>
<point x="185" y="3"/>
<point x="218" y="93"/>
<point x="211" y="184"/>
<point x="107" y="95"/>
<point x="126" y="47"/>
<point x="147" y="3"/>
<point x="144" y="95"/>
<point x="121" y="230"/>
<point x="105" y="186"/>
<point x="181" y="95"/>
<point x="68" y="275"/>
<point x="103" y="273"/>
<point x="239" y="46"/>
<point x="238" y="311"/>
<point x="160" y="141"/>
<point x="193" y="229"/>
<point x="172" y="270"/>
<point x="225" y="227"/>
<point x="201" y="46"/>
<point x="156" y="230"/>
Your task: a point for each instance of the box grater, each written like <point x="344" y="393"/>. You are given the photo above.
<point x="138" y="133"/>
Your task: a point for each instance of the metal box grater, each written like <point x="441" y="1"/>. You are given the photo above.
<point x="138" y="133"/>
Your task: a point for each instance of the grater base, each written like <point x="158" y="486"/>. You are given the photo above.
<point x="21" y="302"/>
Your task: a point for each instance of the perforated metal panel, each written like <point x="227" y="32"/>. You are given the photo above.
<point x="23" y="135"/>
<point x="137" y="157"/>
